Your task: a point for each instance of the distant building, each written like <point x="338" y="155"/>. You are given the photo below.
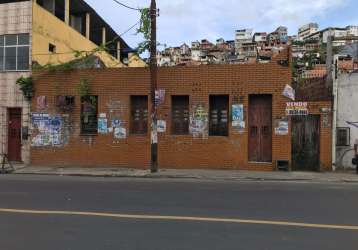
<point x="307" y="30"/>
<point x="242" y="36"/>
<point x="352" y="30"/>
<point x="278" y="37"/>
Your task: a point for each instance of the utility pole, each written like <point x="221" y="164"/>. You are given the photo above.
<point x="153" y="87"/>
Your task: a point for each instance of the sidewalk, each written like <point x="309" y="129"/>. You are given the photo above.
<point x="231" y="175"/>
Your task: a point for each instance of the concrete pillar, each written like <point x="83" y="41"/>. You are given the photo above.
<point x="103" y="35"/>
<point x="67" y="12"/>
<point x="119" y="51"/>
<point x="88" y="22"/>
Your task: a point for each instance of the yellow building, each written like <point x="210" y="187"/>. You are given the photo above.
<point x="61" y="29"/>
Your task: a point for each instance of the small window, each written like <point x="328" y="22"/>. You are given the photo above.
<point x="10" y="58"/>
<point x="23" y="58"/>
<point x="180" y="115"/>
<point x="23" y="39"/>
<point x="52" y="48"/>
<point x="139" y="115"/>
<point x="343" y="136"/>
<point x="11" y="40"/>
<point x="219" y="115"/>
<point x="1" y="58"/>
<point x="89" y="113"/>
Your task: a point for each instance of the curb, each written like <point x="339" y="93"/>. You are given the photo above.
<point x="188" y="177"/>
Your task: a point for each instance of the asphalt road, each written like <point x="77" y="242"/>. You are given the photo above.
<point x="251" y="210"/>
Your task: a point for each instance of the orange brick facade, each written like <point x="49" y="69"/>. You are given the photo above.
<point x="175" y="151"/>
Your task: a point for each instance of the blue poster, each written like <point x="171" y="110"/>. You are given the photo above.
<point x="102" y="126"/>
<point x="238" y="116"/>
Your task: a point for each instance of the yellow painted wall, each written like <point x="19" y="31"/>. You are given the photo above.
<point x="47" y="28"/>
<point x="136" y="61"/>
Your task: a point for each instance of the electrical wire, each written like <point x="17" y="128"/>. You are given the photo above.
<point x="126" y="6"/>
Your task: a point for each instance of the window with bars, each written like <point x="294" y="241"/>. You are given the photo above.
<point x="89" y="115"/>
<point x="139" y="115"/>
<point x="219" y="115"/>
<point x="14" y="52"/>
<point x="343" y="136"/>
<point x="180" y="115"/>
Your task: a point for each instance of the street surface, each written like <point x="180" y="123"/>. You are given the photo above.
<point x="81" y="213"/>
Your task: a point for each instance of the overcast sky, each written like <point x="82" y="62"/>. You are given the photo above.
<point x="188" y="20"/>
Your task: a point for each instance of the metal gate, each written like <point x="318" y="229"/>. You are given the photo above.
<point x="305" y="143"/>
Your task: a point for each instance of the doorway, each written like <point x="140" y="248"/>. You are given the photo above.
<point x="305" y="143"/>
<point x="260" y="128"/>
<point x="14" y="135"/>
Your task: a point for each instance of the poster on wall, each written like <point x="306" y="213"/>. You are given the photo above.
<point x="297" y="108"/>
<point x="289" y="92"/>
<point x="102" y="126"/>
<point x="120" y="133"/>
<point x="116" y="123"/>
<point x="199" y="122"/>
<point x="55" y="130"/>
<point x="46" y="130"/>
<point x="238" y="116"/>
<point x="162" y="126"/>
<point x="159" y="97"/>
<point x="41" y="102"/>
<point x="281" y="126"/>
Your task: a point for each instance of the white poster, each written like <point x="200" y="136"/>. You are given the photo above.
<point x="120" y="133"/>
<point x="162" y="126"/>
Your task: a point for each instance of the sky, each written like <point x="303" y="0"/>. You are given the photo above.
<point x="190" y="20"/>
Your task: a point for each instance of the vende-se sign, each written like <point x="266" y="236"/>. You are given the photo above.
<point x="297" y="108"/>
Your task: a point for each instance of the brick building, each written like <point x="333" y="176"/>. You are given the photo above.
<point x="211" y="116"/>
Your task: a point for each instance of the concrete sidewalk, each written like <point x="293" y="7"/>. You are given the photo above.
<point x="233" y="175"/>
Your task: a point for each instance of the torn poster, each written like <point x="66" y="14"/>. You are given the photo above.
<point x="199" y="122"/>
<point x="41" y="102"/>
<point x="159" y="97"/>
<point x="289" y="92"/>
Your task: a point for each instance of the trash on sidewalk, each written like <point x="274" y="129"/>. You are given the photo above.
<point x="6" y="166"/>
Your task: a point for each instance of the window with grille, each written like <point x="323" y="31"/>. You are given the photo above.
<point x="180" y="115"/>
<point x="219" y="115"/>
<point x="89" y="115"/>
<point x="14" y="52"/>
<point x="343" y="136"/>
<point x="139" y="115"/>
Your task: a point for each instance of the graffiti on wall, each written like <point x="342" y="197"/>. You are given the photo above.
<point x="199" y="122"/>
<point x="47" y="130"/>
<point x="117" y="111"/>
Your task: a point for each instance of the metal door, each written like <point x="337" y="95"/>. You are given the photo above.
<point x="260" y="128"/>
<point x="305" y="142"/>
<point x="14" y="135"/>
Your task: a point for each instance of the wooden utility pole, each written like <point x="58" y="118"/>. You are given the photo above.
<point x="153" y="87"/>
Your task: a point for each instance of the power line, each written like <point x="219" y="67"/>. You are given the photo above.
<point x="126" y="6"/>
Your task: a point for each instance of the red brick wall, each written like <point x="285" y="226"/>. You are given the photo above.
<point x="237" y="81"/>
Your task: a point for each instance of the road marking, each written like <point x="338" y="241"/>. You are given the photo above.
<point x="180" y="218"/>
